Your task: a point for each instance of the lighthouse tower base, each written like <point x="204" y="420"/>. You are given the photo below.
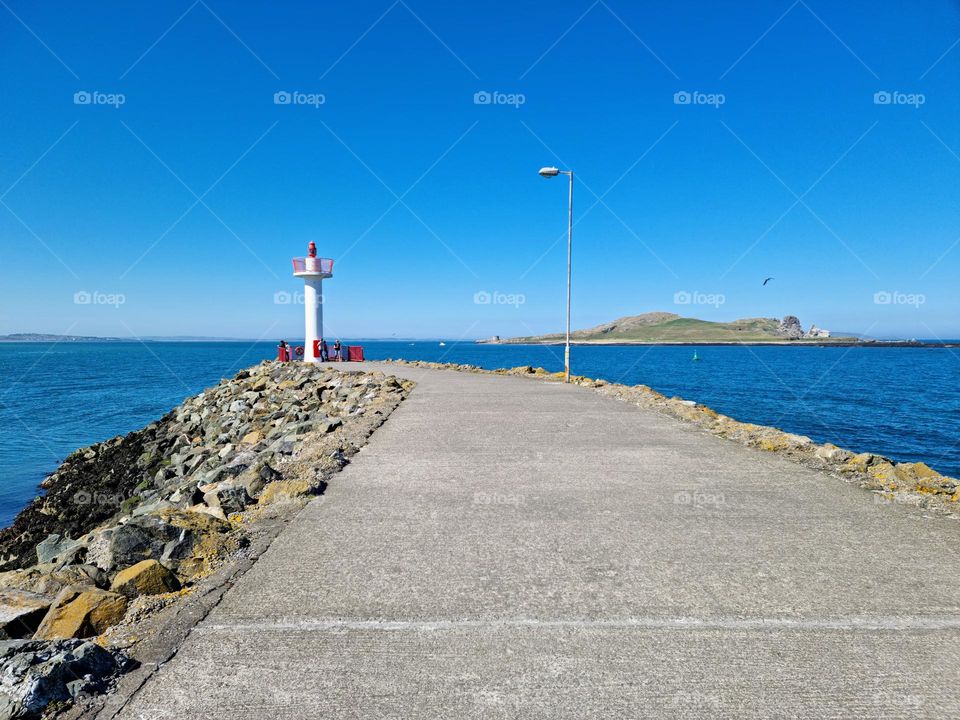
<point x="313" y="317"/>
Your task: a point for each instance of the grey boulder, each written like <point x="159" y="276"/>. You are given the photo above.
<point x="139" y="539"/>
<point x="35" y="673"/>
<point x="56" y="549"/>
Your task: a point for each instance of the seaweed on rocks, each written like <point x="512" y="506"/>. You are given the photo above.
<point x="85" y="491"/>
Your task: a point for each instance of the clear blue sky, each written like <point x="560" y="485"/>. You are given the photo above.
<point x="799" y="174"/>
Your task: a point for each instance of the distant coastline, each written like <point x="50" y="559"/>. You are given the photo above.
<point x="43" y="337"/>
<point x="51" y="338"/>
<point x="47" y="338"/>
<point x="554" y="340"/>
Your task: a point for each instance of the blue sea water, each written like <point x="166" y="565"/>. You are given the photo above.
<point x="900" y="402"/>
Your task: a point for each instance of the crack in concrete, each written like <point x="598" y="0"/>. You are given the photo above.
<point x="653" y="623"/>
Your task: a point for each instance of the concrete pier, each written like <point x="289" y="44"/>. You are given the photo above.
<point x="508" y="548"/>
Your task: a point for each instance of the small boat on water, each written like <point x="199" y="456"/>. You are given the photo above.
<point x="696" y="358"/>
<point x="443" y="344"/>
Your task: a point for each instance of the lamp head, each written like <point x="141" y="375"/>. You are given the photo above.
<point x="549" y="172"/>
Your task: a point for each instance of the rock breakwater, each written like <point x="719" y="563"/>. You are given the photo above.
<point x="130" y="525"/>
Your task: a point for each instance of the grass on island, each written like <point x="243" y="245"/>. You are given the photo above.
<point x="692" y="330"/>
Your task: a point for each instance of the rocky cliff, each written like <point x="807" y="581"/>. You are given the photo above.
<point x="790" y="328"/>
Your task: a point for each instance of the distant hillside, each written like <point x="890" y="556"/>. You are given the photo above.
<point x="45" y="337"/>
<point x="665" y="327"/>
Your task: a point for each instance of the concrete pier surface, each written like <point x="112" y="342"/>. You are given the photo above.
<point x="509" y="548"/>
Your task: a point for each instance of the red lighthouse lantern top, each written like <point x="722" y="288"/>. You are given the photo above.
<point x="311" y="265"/>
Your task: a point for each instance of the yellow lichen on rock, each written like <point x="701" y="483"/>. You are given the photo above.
<point x="858" y="463"/>
<point x="924" y="479"/>
<point x="82" y="611"/>
<point x="207" y="554"/>
<point x="918" y="471"/>
<point x="252" y="438"/>
<point x="772" y="444"/>
<point x="214" y="539"/>
<point x="884" y="471"/>
<point x="282" y="490"/>
<point x="147" y="577"/>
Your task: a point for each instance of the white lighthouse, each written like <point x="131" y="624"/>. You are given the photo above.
<point x="313" y="270"/>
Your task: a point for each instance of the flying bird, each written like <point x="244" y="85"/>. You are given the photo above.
<point x="767" y="280"/>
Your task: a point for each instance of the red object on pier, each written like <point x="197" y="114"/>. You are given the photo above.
<point x="283" y="354"/>
<point x="355" y="353"/>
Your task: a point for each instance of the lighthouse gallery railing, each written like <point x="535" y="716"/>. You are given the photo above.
<point x="308" y="264"/>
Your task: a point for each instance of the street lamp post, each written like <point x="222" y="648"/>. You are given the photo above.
<point x="549" y="172"/>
